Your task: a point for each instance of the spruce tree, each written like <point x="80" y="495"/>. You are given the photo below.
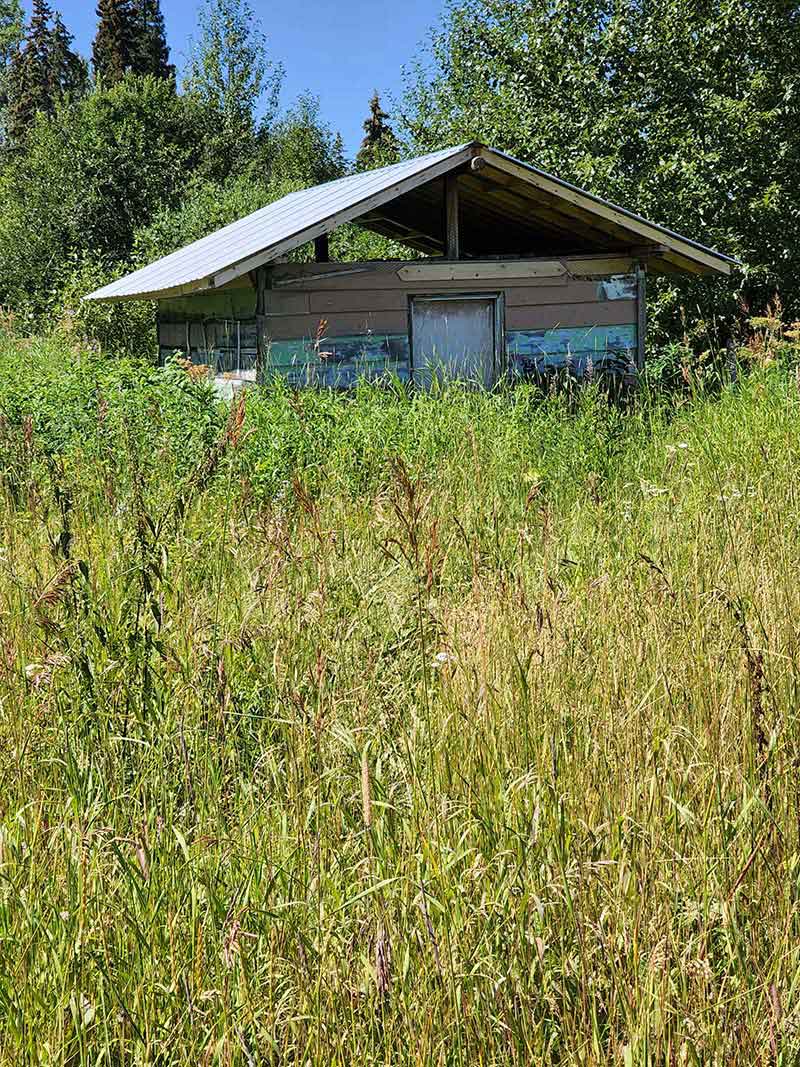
<point x="69" y="75"/>
<point x="150" y="50"/>
<point x="380" y="146"/>
<point x="41" y="72"/>
<point x="11" y="34"/>
<point x="114" y="46"/>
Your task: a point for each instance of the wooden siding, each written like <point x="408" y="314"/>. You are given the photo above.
<point x="353" y="299"/>
<point x="216" y="329"/>
<point x="338" y="363"/>
<point x="227" y="346"/>
<point x="531" y="354"/>
<point x="329" y="324"/>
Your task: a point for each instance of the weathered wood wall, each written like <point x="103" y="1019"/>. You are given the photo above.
<point x="331" y="323"/>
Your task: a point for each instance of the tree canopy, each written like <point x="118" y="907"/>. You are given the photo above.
<point x="685" y="110"/>
<point x="130" y="39"/>
<point x="133" y="168"/>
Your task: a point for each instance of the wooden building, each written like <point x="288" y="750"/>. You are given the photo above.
<point x="519" y="274"/>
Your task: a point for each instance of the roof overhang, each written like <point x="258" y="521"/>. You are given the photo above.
<point x="506" y="209"/>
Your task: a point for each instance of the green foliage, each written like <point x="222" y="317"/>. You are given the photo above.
<point x="11" y="29"/>
<point x="78" y="399"/>
<point x="70" y="75"/>
<point x="333" y="720"/>
<point x="130" y="39"/>
<point x="88" y="180"/>
<point x="231" y="73"/>
<point x="114" y="43"/>
<point x="41" y="73"/>
<point x="151" y="53"/>
<point x="379" y="147"/>
<point x="117" y="327"/>
<point x="349" y="243"/>
<point x="205" y="206"/>
<point x="300" y="151"/>
<point x="302" y="148"/>
<point x="684" y="111"/>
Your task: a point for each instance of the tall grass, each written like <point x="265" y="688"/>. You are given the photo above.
<point x="392" y="729"/>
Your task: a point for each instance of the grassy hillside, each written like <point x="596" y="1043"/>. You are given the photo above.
<point x="380" y="729"/>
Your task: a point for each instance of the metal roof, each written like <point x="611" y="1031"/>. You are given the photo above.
<point x="507" y="207"/>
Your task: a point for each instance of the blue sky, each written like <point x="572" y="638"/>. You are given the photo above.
<point x="340" y="51"/>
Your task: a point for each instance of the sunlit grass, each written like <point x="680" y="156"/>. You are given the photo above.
<point x="395" y="730"/>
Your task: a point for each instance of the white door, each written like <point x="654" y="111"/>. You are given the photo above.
<point x="453" y="338"/>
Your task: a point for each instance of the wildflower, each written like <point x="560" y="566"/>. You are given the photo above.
<point x="88" y="1011"/>
<point x="648" y="489"/>
<point x="442" y="658"/>
<point x="699" y="969"/>
<point x="659" y="957"/>
<point x="672" y="450"/>
<point x="35" y="673"/>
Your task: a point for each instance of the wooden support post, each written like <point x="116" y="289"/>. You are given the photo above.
<point x="641" y="314"/>
<point x="321" y="249"/>
<point x="261" y="279"/>
<point x="452" y="250"/>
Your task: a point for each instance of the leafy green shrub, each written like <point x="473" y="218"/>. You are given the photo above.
<point x="88" y="180"/>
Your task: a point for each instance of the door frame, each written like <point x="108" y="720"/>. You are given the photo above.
<point x="499" y="306"/>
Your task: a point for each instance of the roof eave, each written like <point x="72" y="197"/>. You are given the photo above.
<point x="683" y="253"/>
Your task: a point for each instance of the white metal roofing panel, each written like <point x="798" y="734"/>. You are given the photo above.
<point x="266" y="228"/>
<point x="296" y="218"/>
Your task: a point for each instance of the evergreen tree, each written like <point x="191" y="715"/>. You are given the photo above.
<point x="11" y="35"/>
<point x="380" y="146"/>
<point x="69" y="74"/>
<point x="150" y="51"/>
<point x="30" y="84"/>
<point x="114" y="44"/>
<point x="41" y="72"/>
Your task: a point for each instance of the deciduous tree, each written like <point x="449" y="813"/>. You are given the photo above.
<point x="229" y="67"/>
<point x="685" y="110"/>
<point x="89" y="178"/>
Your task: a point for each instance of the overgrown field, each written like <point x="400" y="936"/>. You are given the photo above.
<point x="431" y="730"/>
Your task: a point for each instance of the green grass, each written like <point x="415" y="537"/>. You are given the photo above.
<point x="455" y="730"/>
